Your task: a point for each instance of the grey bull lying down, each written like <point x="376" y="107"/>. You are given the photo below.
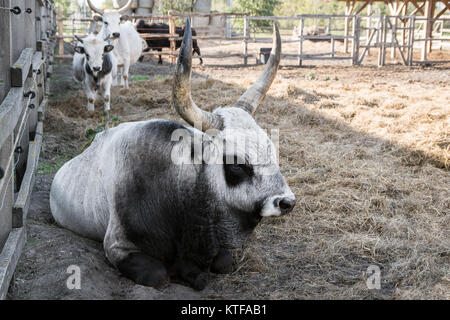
<point x="164" y="210"/>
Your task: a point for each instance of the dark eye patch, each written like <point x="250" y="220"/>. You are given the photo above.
<point x="237" y="172"/>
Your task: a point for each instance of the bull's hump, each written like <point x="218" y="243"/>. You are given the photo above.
<point x="156" y="129"/>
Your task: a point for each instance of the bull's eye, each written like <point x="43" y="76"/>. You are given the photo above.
<point x="237" y="172"/>
<point x="106" y="23"/>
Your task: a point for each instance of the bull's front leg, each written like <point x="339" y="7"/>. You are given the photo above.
<point x="223" y="262"/>
<point x="126" y="68"/>
<point x="195" y="252"/>
<point x="129" y="260"/>
<point x="118" y="81"/>
<point x="107" y="92"/>
<point x="191" y="273"/>
<point x="90" y="93"/>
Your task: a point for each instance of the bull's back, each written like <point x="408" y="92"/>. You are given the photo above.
<point x="82" y="192"/>
<point x="78" y="200"/>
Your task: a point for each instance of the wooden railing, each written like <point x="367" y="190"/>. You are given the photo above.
<point x="28" y="39"/>
<point x="363" y="32"/>
<point x="172" y="36"/>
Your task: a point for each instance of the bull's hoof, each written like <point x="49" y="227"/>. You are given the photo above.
<point x="144" y="270"/>
<point x="157" y="279"/>
<point x="159" y="62"/>
<point x="141" y="58"/>
<point x="223" y="262"/>
<point x="201" y="281"/>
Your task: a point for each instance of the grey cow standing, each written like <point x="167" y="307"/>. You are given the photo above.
<point x="162" y="210"/>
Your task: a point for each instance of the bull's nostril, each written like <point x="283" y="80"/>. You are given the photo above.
<point x="97" y="69"/>
<point x="116" y="35"/>
<point x="285" y="204"/>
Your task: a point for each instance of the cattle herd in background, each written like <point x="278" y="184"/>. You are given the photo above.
<point x="104" y="59"/>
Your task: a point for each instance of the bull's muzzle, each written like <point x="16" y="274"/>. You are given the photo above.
<point x="116" y="35"/>
<point x="285" y="204"/>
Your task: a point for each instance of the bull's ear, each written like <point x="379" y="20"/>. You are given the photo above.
<point x="79" y="49"/>
<point x="98" y="18"/>
<point x="108" y="48"/>
<point x="125" y="17"/>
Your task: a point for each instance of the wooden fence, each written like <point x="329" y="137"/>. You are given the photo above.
<point x="172" y="36"/>
<point x="400" y="34"/>
<point x="27" y="29"/>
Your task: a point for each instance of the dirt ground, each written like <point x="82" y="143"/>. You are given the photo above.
<point x="365" y="150"/>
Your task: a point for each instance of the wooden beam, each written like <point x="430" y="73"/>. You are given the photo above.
<point x="41" y="110"/>
<point x="361" y="8"/>
<point x="440" y="13"/>
<point x="10" y="111"/>
<point x="21" y="68"/>
<point x="9" y="257"/>
<point x="20" y="210"/>
<point x="419" y="8"/>
<point x="5" y="49"/>
<point x="428" y="28"/>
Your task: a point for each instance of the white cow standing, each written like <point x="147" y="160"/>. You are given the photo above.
<point x="95" y="66"/>
<point x="128" y="44"/>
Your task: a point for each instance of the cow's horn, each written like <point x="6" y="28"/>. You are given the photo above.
<point x="93" y="8"/>
<point x="251" y="98"/>
<point x="126" y="7"/>
<point x="181" y="93"/>
<point x="76" y="37"/>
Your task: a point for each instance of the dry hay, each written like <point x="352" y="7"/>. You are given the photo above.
<point x="366" y="152"/>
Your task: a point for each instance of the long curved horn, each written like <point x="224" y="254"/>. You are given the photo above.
<point x="254" y="95"/>
<point x="125" y="8"/>
<point x="181" y="92"/>
<point x="93" y="8"/>
<point x="76" y="37"/>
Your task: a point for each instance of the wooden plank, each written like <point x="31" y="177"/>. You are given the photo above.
<point x="30" y="25"/>
<point x="21" y="68"/>
<point x="300" y="44"/>
<point x="41" y="110"/>
<point x="172" y="29"/>
<point x="5" y="49"/>
<point x="6" y="189"/>
<point x="9" y="257"/>
<point x="10" y="111"/>
<point x="37" y="60"/>
<point x="20" y="210"/>
<point x="246" y="35"/>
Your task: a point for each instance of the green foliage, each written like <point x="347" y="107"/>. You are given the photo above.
<point x="258" y="8"/>
<point x="178" y="5"/>
<point x="111" y="122"/>
<point x="66" y="7"/>
<point x="53" y="165"/>
<point x="140" y="78"/>
<point x="107" y="4"/>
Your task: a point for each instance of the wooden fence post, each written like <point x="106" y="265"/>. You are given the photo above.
<point x="7" y="191"/>
<point x="30" y="24"/>
<point x="5" y="49"/>
<point x="172" y="29"/>
<point x="412" y="26"/>
<point x="301" y="26"/>
<point x="246" y="36"/>
<point x="356" y="39"/>
<point x="60" y="33"/>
